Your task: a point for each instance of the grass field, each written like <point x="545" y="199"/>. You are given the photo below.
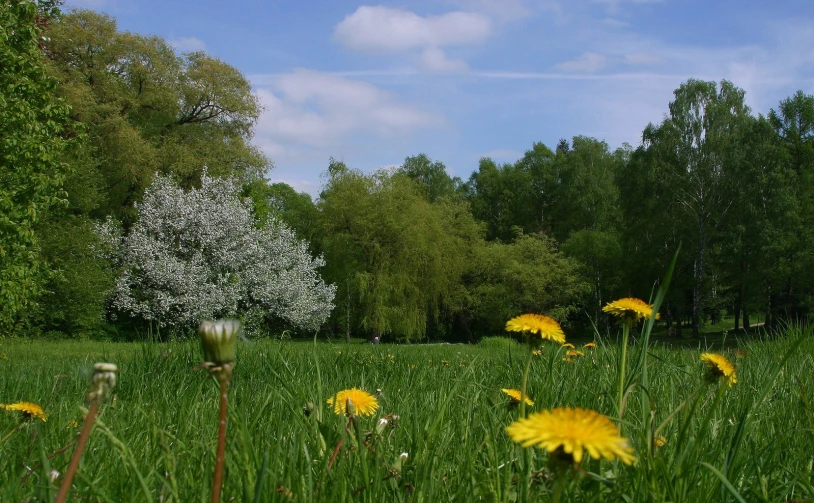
<point x="156" y="440"/>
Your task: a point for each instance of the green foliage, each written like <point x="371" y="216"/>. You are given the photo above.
<point x="431" y="177"/>
<point x="396" y="258"/>
<point x="281" y="201"/>
<point x="498" y="342"/>
<point x="148" y="110"/>
<point x="526" y="276"/>
<point x="32" y="121"/>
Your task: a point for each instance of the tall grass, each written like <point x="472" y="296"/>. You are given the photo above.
<point x="153" y="441"/>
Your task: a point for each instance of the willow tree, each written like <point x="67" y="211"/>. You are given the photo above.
<point x="396" y="258"/>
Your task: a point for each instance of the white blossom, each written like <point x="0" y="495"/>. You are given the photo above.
<point x="199" y="254"/>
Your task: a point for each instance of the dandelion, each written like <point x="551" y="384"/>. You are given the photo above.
<point x="537" y="352"/>
<point x="568" y="345"/>
<point x="29" y="410"/>
<point x="660" y="441"/>
<point x="574" y="352"/>
<point x="445" y="363"/>
<point x="547" y="327"/>
<point x="569" y="433"/>
<point x="718" y="366"/>
<point x="515" y="395"/>
<point x="590" y="345"/>
<point x="629" y="309"/>
<point x="363" y="402"/>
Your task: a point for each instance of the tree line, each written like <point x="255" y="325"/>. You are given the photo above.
<point x="93" y="117"/>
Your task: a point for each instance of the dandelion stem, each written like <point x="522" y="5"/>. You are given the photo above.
<point x="65" y="488"/>
<point x="221" y="454"/>
<point x="10" y="433"/>
<point x="524" y="491"/>
<point x="622" y="365"/>
<point x="523" y="394"/>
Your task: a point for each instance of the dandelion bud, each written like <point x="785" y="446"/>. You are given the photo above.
<point x="102" y="382"/>
<point x="381" y="425"/>
<point x="399" y="464"/>
<point x="218" y="339"/>
<point x="350" y="408"/>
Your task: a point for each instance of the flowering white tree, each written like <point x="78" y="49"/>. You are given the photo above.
<point x="199" y="254"/>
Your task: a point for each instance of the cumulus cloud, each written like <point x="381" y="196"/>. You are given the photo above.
<point x="386" y="30"/>
<point x="435" y="60"/>
<point x="188" y="44"/>
<point x="307" y="110"/>
<point x="587" y="62"/>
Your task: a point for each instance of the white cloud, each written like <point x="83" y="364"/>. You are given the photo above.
<point x="379" y="29"/>
<point x="435" y="60"/>
<point x="587" y="62"/>
<point x="308" y="113"/>
<point x="188" y="44"/>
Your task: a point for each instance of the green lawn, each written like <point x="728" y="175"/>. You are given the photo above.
<point x="155" y="441"/>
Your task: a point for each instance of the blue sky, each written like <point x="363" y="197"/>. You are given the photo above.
<point x="371" y="84"/>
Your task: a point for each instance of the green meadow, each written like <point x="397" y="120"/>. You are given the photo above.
<point x="155" y="439"/>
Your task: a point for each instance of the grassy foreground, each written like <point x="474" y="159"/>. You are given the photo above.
<point x="156" y="440"/>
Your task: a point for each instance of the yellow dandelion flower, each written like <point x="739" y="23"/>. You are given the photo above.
<point x="575" y="352"/>
<point x="445" y="363"/>
<point x="537" y="352"/>
<point x="568" y="345"/>
<point x="547" y="327"/>
<point x="590" y="345"/>
<point x="515" y="395"/>
<point x="29" y="410"/>
<point x="718" y="366"/>
<point x="572" y="431"/>
<point x="365" y="403"/>
<point x="660" y="441"/>
<point x="629" y="309"/>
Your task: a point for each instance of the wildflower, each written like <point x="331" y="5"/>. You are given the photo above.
<point x="574" y="352"/>
<point x="568" y="345"/>
<point x="590" y="345"/>
<point x="568" y="359"/>
<point x="547" y="327"/>
<point x="29" y="410"/>
<point x="660" y="441"/>
<point x="718" y="366"/>
<point x="629" y="309"/>
<point x="445" y="363"/>
<point x="515" y="395"/>
<point x="218" y="339"/>
<point x="570" y="432"/>
<point x="364" y="403"/>
<point x="537" y="352"/>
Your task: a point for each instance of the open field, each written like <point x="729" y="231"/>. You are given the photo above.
<point x="156" y="440"/>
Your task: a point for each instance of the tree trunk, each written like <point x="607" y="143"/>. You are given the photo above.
<point x="698" y="274"/>
<point x="738" y="306"/>
<point x="347" y="313"/>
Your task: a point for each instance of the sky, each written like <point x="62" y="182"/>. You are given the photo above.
<point x="370" y="84"/>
